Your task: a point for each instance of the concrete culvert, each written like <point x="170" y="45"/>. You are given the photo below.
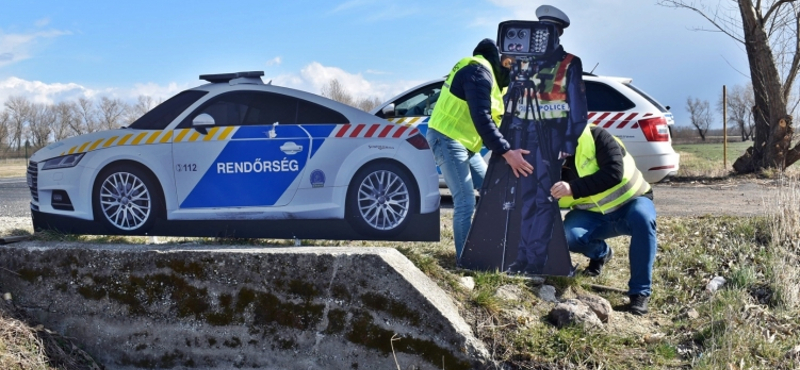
<point x="133" y="307"/>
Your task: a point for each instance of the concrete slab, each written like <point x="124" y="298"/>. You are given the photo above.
<point x="173" y="306"/>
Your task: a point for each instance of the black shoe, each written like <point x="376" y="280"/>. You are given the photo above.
<point x="638" y="305"/>
<point x="596" y="266"/>
<point x="518" y="267"/>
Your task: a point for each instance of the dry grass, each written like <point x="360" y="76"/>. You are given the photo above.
<point x="13" y="167"/>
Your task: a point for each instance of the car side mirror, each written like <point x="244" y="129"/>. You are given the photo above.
<point x="202" y="122"/>
<point x="388" y="110"/>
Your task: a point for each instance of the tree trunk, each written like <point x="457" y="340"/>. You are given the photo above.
<point x="772" y="125"/>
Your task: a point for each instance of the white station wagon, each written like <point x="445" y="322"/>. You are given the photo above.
<point x="614" y="103"/>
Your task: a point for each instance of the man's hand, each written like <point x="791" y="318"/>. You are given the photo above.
<point x="518" y="164"/>
<point x="561" y="189"/>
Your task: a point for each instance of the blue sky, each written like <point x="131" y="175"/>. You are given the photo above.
<point x="56" y="50"/>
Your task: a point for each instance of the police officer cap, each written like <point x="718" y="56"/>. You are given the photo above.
<point x="549" y="13"/>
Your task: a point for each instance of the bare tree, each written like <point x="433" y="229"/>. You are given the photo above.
<point x="770" y="32"/>
<point x="41" y="123"/>
<point x="367" y="104"/>
<point x="740" y="109"/>
<point x="19" y="110"/>
<point x="700" y="115"/>
<point x="335" y="91"/>
<point x="87" y="117"/>
<point x="111" y="112"/>
<point x="66" y="120"/>
<point x="143" y="105"/>
<point x="4" y="127"/>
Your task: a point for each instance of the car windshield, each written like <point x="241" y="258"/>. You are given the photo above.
<point x="644" y="95"/>
<point x="159" y="117"/>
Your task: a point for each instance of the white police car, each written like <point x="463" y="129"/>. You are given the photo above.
<point x="614" y="103"/>
<point x="237" y="157"/>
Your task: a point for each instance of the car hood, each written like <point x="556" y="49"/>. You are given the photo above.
<point x="80" y="144"/>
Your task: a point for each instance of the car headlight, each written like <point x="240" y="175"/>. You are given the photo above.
<point x="64" y="161"/>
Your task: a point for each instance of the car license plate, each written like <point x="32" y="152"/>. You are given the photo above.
<point x="29" y="179"/>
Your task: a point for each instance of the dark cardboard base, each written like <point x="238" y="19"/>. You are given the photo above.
<point x="424" y="227"/>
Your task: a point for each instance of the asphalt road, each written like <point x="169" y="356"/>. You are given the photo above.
<point x="15" y="197"/>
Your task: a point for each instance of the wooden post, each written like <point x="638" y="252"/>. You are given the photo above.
<point x="724" y="127"/>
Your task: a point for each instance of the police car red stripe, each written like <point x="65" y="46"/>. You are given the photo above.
<point x="366" y="130"/>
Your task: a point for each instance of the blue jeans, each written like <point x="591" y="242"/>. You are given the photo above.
<point x="587" y="231"/>
<point x="463" y="172"/>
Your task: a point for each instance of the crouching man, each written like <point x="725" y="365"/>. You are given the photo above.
<point x="608" y="197"/>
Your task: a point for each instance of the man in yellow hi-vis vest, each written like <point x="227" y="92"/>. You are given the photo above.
<point x="465" y="118"/>
<point x="608" y="197"/>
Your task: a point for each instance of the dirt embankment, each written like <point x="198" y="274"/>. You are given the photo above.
<point x="743" y="198"/>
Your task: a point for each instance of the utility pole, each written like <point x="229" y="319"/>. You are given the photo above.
<point x="724" y="127"/>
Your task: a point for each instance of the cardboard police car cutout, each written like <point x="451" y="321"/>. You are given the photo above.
<point x="238" y="158"/>
<point x="517" y="226"/>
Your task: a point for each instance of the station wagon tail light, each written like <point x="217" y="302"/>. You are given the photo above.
<point x="418" y="141"/>
<point x="655" y="129"/>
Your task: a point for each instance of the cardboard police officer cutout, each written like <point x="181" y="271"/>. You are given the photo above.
<point x="517" y="226"/>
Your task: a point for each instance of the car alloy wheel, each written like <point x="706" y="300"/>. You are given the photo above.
<point x="125" y="201"/>
<point x="382" y="199"/>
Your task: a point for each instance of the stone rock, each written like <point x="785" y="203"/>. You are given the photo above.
<point x="467" y="282"/>
<point x="536" y="280"/>
<point x="547" y="293"/>
<point x="574" y="312"/>
<point x="508" y="292"/>
<point x="794" y="353"/>
<point x="692" y="314"/>
<point x="599" y="305"/>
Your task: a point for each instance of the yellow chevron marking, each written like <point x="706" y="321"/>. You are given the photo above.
<point x="153" y="137"/>
<point x="138" y="138"/>
<point x="194" y="136"/>
<point x="211" y="132"/>
<point x="71" y="150"/>
<point x="166" y="137"/>
<point x="110" y="141"/>
<point x="225" y="133"/>
<point x="124" y="139"/>
<point x="96" y="143"/>
<point x="82" y="147"/>
<point x="181" y="135"/>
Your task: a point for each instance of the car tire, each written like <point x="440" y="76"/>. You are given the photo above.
<point x="381" y="200"/>
<point x="126" y="200"/>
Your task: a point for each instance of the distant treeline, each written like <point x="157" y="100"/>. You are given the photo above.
<point x="25" y="124"/>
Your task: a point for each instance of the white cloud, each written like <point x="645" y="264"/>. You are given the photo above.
<point x="40" y="92"/>
<point x="153" y="90"/>
<point x="15" y="47"/>
<point x="274" y="61"/>
<point x="314" y="76"/>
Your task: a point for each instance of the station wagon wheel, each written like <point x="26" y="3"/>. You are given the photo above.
<point x="126" y="200"/>
<point x="381" y="200"/>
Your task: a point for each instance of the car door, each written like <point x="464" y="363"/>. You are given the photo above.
<point x="246" y="152"/>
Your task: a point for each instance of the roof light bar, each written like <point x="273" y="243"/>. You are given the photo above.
<point x="226" y="77"/>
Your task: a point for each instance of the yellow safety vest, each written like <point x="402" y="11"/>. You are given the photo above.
<point x="631" y="186"/>
<point x="451" y="115"/>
